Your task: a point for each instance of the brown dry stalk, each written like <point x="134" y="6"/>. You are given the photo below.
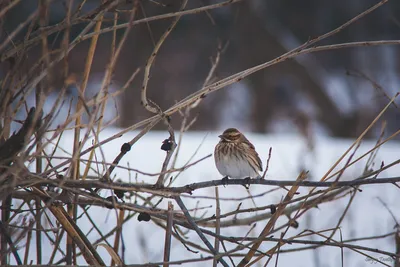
<point x="325" y="177"/>
<point x="25" y="185"/>
<point x="70" y="227"/>
<point x="168" y="233"/>
<point x="118" y="232"/>
<point x="88" y="66"/>
<point x="75" y="156"/>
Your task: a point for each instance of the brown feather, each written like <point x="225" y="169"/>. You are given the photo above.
<point x="234" y="144"/>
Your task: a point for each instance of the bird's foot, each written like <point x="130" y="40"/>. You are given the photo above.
<point x="225" y="181"/>
<point x="246" y="182"/>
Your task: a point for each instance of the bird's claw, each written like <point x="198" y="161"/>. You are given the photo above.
<point x="225" y="181"/>
<point x="246" y="182"/>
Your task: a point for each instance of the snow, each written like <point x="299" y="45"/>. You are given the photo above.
<point x="144" y="241"/>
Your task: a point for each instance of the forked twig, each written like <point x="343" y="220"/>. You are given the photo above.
<point x="198" y="231"/>
<point x="272" y="221"/>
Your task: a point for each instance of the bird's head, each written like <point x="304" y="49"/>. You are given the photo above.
<point x="230" y="135"/>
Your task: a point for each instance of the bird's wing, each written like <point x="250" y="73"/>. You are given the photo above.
<point x="259" y="162"/>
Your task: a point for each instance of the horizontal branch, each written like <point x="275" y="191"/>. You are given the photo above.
<point x="173" y="191"/>
<point x="85" y="198"/>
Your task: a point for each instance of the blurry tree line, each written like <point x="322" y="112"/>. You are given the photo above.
<point x="340" y="90"/>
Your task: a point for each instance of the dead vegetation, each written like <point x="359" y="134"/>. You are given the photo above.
<point x="44" y="197"/>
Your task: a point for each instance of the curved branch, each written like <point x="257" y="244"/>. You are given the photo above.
<point x="145" y="102"/>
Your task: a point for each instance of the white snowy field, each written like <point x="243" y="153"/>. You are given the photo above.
<point x="144" y="241"/>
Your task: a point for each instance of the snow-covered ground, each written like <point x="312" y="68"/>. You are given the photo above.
<point x="144" y="241"/>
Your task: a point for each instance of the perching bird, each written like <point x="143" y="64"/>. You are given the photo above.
<point x="236" y="157"/>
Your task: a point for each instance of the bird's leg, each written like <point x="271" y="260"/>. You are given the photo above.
<point x="246" y="182"/>
<point x="225" y="181"/>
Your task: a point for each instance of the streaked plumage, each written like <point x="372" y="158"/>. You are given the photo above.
<point x="236" y="157"/>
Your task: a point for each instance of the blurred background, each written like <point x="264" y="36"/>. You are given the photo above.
<point x="336" y="93"/>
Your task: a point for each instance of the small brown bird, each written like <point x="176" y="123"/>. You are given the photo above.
<point x="236" y="157"/>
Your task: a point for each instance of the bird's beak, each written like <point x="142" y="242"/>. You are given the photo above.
<point x="220" y="136"/>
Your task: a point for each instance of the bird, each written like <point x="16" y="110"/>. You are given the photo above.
<point x="235" y="156"/>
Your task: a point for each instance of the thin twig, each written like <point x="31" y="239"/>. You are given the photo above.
<point x="267" y="166"/>
<point x="150" y="61"/>
<point x="217" y="228"/>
